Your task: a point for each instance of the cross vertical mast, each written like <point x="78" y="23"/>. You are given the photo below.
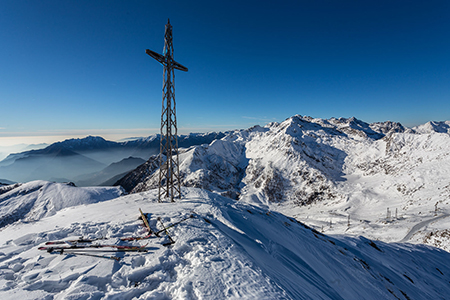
<point x="169" y="174"/>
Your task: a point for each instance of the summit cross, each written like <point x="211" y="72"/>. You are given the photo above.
<point x="169" y="186"/>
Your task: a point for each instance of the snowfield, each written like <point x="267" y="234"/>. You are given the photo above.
<point x="228" y="250"/>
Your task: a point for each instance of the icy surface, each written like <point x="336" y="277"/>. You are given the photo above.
<point x="228" y="250"/>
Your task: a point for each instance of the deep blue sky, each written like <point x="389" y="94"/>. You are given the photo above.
<point x="73" y="68"/>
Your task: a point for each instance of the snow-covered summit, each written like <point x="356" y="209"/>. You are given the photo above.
<point x="288" y="147"/>
<point x="301" y="184"/>
<point x="389" y="127"/>
<point x="433" y="126"/>
<point x="228" y="250"/>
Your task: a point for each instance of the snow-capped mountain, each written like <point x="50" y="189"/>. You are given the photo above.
<point x="433" y="126"/>
<point x="224" y="250"/>
<point x="309" y="153"/>
<point x="353" y="171"/>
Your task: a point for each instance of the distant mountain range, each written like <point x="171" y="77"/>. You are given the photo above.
<point x="87" y="161"/>
<point x="104" y="177"/>
<point x="305" y="156"/>
<point x="5" y="150"/>
<point x="226" y="163"/>
<point x="5" y="182"/>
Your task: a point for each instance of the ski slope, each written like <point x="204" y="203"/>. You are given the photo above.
<point x="229" y="250"/>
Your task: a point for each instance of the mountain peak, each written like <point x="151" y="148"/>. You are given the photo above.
<point x="388" y="127"/>
<point x="433" y="126"/>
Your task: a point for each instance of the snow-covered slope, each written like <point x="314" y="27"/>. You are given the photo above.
<point x="219" y="166"/>
<point x="37" y="199"/>
<point x="381" y="178"/>
<point x="229" y="250"/>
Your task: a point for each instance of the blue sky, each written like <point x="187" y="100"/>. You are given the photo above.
<point x="74" y="68"/>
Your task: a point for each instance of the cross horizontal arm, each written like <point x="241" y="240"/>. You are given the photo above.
<point x="179" y="66"/>
<point x="162" y="60"/>
<point x="156" y="56"/>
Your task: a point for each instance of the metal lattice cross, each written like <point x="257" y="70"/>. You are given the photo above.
<point x="169" y="172"/>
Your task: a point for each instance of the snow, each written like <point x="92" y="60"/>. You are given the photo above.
<point x="228" y="250"/>
<point x="433" y="126"/>
<point x="328" y="209"/>
<point x="405" y="175"/>
<point x="339" y="176"/>
<point x="37" y="199"/>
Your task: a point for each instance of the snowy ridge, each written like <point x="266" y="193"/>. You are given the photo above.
<point x="297" y="160"/>
<point x="229" y="250"/>
<point x="37" y="199"/>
